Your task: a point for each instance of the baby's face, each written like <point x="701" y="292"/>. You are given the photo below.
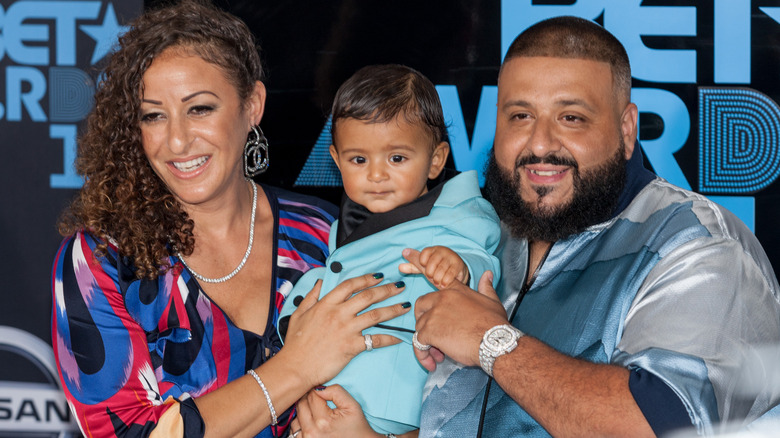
<point x="384" y="165"/>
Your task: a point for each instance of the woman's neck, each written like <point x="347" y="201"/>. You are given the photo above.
<point x="223" y="216"/>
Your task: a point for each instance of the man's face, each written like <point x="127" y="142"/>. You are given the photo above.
<point x="558" y="117"/>
<point x="596" y="194"/>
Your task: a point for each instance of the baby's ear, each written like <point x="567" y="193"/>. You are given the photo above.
<point x="439" y="159"/>
<point x="335" y="155"/>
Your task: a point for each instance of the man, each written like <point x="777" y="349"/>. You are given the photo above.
<point x="641" y="307"/>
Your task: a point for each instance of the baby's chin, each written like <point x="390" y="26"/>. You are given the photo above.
<point x="381" y="209"/>
<point x="383" y="206"/>
<point x="385" y="203"/>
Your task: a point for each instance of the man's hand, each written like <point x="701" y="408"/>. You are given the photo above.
<point x="439" y="264"/>
<point x="454" y="320"/>
<point x="562" y="393"/>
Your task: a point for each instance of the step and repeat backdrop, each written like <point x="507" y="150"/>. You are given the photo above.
<point x="705" y="81"/>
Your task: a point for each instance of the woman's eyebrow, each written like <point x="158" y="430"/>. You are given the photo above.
<point x="186" y="98"/>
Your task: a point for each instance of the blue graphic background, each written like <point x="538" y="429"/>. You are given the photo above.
<point x="705" y="81"/>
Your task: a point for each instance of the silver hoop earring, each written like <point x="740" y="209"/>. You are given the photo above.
<point x="255" y="153"/>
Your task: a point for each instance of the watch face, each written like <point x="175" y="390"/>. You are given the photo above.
<point x="500" y="339"/>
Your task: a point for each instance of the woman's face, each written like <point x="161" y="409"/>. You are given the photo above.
<point x="194" y="126"/>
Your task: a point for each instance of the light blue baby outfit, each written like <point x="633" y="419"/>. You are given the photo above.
<point x="388" y="382"/>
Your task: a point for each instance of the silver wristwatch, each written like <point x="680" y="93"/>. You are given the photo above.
<point x="497" y="341"/>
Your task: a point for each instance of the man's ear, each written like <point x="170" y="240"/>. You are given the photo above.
<point x="438" y="159"/>
<point x="628" y="128"/>
<point x="335" y="155"/>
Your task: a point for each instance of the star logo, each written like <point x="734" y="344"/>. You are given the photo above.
<point x="774" y="13"/>
<point x="105" y="35"/>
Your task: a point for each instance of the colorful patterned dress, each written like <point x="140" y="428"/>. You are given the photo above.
<point x="128" y="350"/>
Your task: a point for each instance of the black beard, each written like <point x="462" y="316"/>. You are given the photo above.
<point x="596" y="194"/>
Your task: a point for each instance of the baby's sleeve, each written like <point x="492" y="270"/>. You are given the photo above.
<point x="474" y="234"/>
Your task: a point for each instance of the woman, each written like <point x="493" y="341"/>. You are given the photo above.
<point x="168" y="285"/>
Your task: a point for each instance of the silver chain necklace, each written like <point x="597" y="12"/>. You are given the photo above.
<point x="248" y="248"/>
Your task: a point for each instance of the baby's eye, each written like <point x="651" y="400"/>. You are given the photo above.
<point x="358" y="160"/>
<point x="397" y="158"/>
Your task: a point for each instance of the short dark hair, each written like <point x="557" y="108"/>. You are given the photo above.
<point x="379" y="93"/>
<point x="578" y="38"/>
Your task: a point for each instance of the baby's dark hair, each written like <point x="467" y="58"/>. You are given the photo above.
<point x="379" y="93"/>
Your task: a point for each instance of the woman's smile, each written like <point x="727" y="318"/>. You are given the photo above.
<point x="190" y="165"/>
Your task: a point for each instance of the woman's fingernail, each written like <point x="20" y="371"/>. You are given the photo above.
<point x="319" y="388"/>
<point x="379" y="275"/>
<point x="399" y="284"/>
<point x="406" y="305"/>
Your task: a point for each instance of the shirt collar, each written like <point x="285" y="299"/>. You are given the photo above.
<point x="357" y="222"/>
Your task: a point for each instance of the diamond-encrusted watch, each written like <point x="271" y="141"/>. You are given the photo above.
<point x="497" y="341"/>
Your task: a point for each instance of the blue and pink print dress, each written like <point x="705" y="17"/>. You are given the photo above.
<point x="132" y="354"/>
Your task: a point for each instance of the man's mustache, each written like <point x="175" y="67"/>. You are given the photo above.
<point x="547" y="159"/>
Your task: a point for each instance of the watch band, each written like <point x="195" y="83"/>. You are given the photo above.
<point x="496" y="342"/>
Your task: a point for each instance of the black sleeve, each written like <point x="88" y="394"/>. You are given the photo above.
<point x="193" y="422"/>
<point x="662" y="408"/>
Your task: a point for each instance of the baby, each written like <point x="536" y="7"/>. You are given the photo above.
<point x="390" y="145"/>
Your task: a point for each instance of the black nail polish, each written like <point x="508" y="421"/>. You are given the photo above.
<point x="379" y="275"/>
<point x="406" y="305"/>
<point x="319" y="388"/>
<point x="399" y="284"/>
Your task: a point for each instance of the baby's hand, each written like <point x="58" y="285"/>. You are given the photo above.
<point x="439" y="264"/>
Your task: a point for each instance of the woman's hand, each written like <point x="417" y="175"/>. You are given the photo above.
<point x="325" y="334"/>
<point x="317" y="419"/>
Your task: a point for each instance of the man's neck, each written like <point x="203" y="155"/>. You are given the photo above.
<point x="537" y="251"/>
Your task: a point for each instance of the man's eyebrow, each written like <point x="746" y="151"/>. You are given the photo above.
<point x="576" y="102"/>
<point x="517" y="102"/>
<point x="561" y="103"/>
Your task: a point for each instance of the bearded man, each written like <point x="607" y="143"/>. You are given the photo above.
<point x="627" y="306"/>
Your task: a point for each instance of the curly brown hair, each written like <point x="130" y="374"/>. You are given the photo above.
<point x="123" y="201"/>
